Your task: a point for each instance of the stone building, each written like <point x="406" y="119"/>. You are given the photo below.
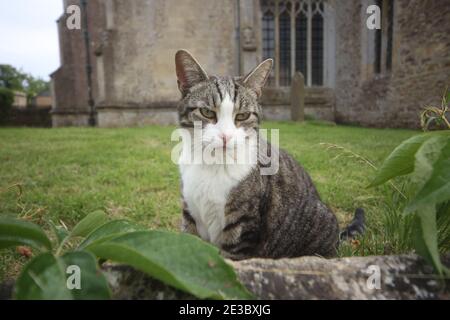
<point x="20" y="100"/>
<point x="44" y="100"/>
<point x="121" y="71"/>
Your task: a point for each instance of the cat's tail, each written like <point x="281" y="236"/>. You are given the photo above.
<point x="355" y="227"/>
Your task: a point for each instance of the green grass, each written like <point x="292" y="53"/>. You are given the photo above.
<point x="66" y="173"/>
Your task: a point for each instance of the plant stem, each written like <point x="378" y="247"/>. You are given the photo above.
<point x="61" y="246"/>
<point x="446" y="121"/>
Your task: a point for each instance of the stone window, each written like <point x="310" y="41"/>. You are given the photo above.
<point x="294" y="32"/>
<point x="285" y="48"/>
<point x="384" y="37"/>
<point x="378" y="52"/>
<point x="268" y="39"/>
<point x="389" y="30"/>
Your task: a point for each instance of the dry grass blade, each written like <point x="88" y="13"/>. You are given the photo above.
<point x="16" y="185"/>
<point x="351" y="154"/>
<point x="434" y="114"/>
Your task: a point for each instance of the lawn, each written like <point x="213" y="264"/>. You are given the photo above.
<point x="63" y="174"/>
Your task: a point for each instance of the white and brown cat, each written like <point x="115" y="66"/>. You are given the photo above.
<point x="232" y="205"/>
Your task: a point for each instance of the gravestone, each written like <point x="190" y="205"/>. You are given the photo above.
<point x="372" y="277"/>
<point x="298" y="97"/>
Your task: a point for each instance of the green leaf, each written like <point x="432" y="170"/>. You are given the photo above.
<point x="109" y="230"/>
<point x="425" y="236"/>
<point x="15" y="232"/>
<point x="47" y="277"/>
<point x="93" y="282"/>
<point x="425" y="158"/>
<point x="88" y="224"/>
<point x="42" y="278"/>
<point x="180" y="260"/>
<point x="433" y="162"/>
<point x="400" y="161"/>
<point x="60" y="232"/>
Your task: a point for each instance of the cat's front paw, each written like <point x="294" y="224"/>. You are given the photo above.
<point x="232" y="256"/>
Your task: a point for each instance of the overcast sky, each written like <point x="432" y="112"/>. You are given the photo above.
<point x="28" y="35"/>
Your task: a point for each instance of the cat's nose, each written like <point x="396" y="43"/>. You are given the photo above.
<point x="225" y="138"/>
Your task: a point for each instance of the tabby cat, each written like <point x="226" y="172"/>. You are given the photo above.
<point x="232" y="205"/>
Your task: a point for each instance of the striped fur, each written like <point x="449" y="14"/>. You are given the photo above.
<point x="244" y="213"/>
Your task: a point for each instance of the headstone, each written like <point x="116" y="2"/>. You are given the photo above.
<point x="372" y="277"/>
<point x="298" y="97"/>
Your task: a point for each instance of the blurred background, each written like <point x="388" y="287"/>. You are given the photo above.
<point x="110" y="63"/>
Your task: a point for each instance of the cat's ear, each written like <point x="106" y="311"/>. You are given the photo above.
<point x="189" y="71"/>
<point x="256" y="79"/>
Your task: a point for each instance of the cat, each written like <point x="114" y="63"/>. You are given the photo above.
<point x="244" y="213"/>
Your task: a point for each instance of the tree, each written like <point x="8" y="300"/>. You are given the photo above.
<point x="6" y="102"/>
<point x="14" y="79"/>
<point x="34" y="86"/>
<point x="11" y="78"/>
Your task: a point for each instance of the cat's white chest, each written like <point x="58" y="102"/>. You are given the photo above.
<point x="205" y="191"/>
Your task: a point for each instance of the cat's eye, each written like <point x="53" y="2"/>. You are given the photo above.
<point x="207" y="113"/>
<point x="242" y="116"/>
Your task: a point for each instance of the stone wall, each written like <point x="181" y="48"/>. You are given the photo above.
<point x="132" y="59"/>
<point x="137" y="61"/>
<point x="133" y="46"/>
<point x="28" y="117"/>
<point x="420" y="64"/>
<point x="319" y="104"/>
<point x="306" y="278"/>
<point x="69" y="81"/>
<point x="126" y="116"/>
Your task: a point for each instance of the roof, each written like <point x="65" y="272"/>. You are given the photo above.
<point x="45" y="93"/>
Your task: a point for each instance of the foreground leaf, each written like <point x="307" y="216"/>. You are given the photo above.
<point x="109" y="230"/>
<point x="425" y="236"/>
<point x="180" y="260"/>
<point x="400" y="161"/>
<point x="435" y="189"/>
<point x="42" y="278"/>
<point x="45" y="278"/>
<point x="93" y="282"/>
<point x="88" y="224"/>
<point x="15" y="232"/>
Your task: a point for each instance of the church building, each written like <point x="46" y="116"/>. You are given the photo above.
<point x="118" y="68"/>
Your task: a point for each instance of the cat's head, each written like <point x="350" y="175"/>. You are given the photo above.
<point x="227" y="107"/>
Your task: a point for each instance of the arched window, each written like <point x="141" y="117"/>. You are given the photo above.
<point x="384" y="37"/>
<point x="285" y="47"/>
<point x="268" y="38"/>
<point x="293" y="32"/>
